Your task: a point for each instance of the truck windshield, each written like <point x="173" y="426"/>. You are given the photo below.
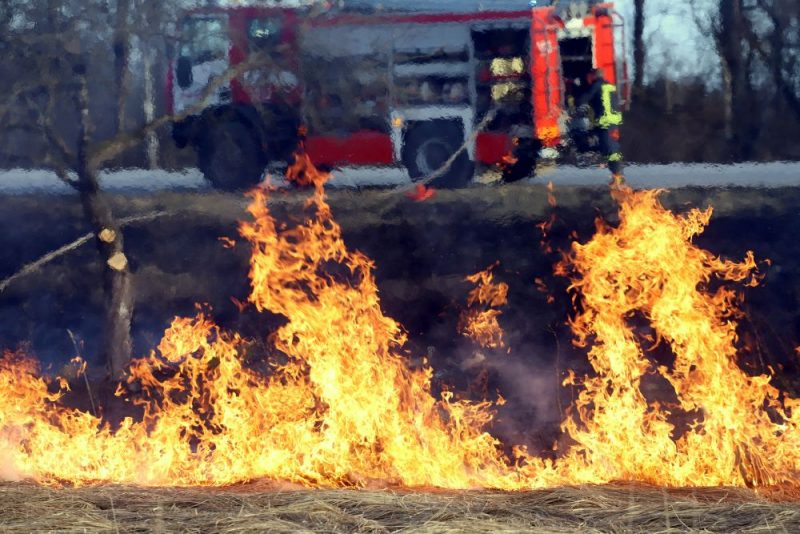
<point x="204" y="39"/>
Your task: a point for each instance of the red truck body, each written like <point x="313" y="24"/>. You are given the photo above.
<point x="401" y="69"/>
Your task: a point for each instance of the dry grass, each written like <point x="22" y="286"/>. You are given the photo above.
<point x="613" y="508"/>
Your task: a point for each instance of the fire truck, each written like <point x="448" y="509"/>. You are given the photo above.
<point x="358" y="86"/>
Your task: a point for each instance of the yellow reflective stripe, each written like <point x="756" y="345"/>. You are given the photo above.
<point x="610" y="117"/>
<point x="616" y="156"/>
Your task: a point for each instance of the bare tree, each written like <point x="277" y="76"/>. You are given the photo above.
<point x="728" y="35"/>
<point x="121" y="47"/>
<point x="118" y="281"/>
<point x="750" y="35"/>
<point x="727" y="24"/>
<point x="65" y="53"/>
<point x="778" y="46"/>
<point x="57" y="49"/>
<point x="53" y="61"/>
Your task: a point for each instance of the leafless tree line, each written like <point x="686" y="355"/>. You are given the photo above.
<point x="66" y="64"/>
<point x="756" y="44"/>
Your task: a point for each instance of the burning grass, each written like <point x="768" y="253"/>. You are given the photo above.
<point x="345" y="410"/>
<point x="610" y="508"/>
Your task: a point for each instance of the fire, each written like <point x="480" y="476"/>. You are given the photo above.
<point x="547" y="225"/>
<point x="342" y="407"/>
<point x="479" y="320"/>
<point x="372" y="417"/>
<point x="740" y="430"/>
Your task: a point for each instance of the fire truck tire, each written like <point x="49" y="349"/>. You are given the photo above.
<point x="426" y="148"/>
<point x="230" y="157"/>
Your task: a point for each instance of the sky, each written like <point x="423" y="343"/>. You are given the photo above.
<point x="675" y="45"/>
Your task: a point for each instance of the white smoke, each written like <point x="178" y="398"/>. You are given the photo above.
<point x="8" y="473"/>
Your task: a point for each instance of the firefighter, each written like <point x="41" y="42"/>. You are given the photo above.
<point x="600" y="96"/>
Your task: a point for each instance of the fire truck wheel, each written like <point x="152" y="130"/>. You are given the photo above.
<point x="230" y="157"/>
<point x="426" y="148"/>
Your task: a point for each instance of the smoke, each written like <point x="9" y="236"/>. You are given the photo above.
<point x="531" y="414"/>
<point x="8" y="472"/>
<point x="531" y="386"/>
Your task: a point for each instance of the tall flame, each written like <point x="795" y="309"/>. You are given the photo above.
<point x="741" y="431"/>
<point x="341" y="406"/>
<point x="373" y="417"/>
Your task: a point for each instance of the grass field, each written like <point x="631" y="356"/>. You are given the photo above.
<point x="613" y="508"/>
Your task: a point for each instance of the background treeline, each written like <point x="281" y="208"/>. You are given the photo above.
<point x="49" y="47"/>
<point x="747" y="108"/>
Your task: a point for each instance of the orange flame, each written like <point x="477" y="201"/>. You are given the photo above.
<point x="341" y="407"/>
<point x="302" y="172"/>
<point x="739" y="431"/>
<point x="547" y="225"/>
<point x="479" y="321"/>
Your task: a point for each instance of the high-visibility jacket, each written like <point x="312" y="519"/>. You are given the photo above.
<point x="602" y="97"/>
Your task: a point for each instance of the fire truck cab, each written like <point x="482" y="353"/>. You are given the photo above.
<point x="405" y="87"/>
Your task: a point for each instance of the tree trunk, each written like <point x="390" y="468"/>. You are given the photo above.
<point x="52" y="16"/>
<point x="638" y="48"/>
<point x="727" y="101"/>
<point x="122" y="51"/>
<point x="732" y="55"/>
<point x="669" y="96"/>
<point x="782" y="78"/>
<point x="117" y="279"/>
<point x="149" y="105"/>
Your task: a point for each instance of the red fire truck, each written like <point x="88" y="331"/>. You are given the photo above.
<point x="388" y="88"/>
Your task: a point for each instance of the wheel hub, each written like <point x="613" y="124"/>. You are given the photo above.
<point x="432" y="154"/>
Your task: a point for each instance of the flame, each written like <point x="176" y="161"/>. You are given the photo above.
<point x="479" y="320"/>
<point x="547" y="225"/>
<point x="740" y="430"/>
<point x="340" y="406"/>
<point x="302" y="171"/>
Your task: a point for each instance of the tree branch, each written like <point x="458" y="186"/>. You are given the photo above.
<point x="44" y="121"/>
<point x="62" y="174"/>
<point x="774" y="55"/>
<point x="50" y="256"/>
